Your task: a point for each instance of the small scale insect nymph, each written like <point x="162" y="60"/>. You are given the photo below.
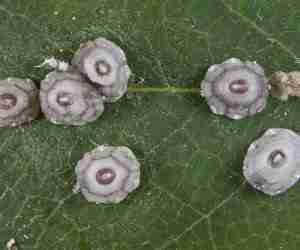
<point x="284" y="84"/>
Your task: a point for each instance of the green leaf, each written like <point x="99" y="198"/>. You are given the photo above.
<point x="193" y="194"/>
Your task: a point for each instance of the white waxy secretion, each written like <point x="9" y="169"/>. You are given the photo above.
<point x="235" y="89"/>
<point x="272" y="163"/>
<point x="66" y="98"/>
<point x="19" y="102"/>
<point x="107" y="174"/>
<point x="11" y="244"/>
<point x="105" y="64"/>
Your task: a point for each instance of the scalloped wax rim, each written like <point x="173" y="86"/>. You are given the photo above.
<point x="105" y="64"/>
<point x="272" y="163"/>
<point x="235" y="89"/>
<point x="107" y="174"/>
<point x="66" y="98"/>
<point x="19" y="102"/>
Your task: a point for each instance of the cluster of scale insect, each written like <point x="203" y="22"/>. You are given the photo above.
<point x="75" y="95"/>
<point x="71" y="94"/>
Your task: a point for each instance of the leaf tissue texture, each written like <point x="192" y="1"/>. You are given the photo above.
<point x="192" y="194"/>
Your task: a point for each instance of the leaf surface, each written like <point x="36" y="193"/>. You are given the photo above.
<point x="193" y="194"/>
